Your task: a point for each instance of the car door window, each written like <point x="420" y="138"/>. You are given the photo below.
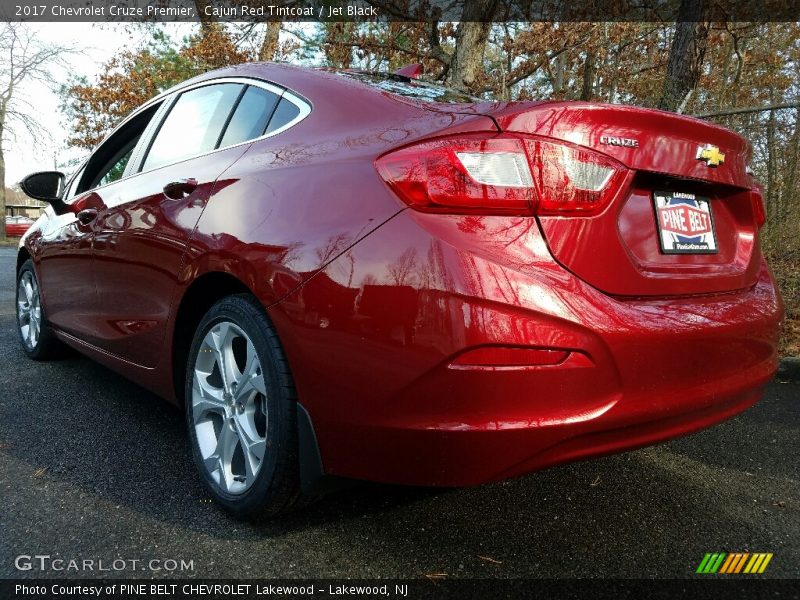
<point x="251" y="116"/>
<point x="193" y="125"/>
<point x="116" y="170"/>
<point x="284" y="114"/>
<point x="108" y="163"/>
<point x="72" y="187"/>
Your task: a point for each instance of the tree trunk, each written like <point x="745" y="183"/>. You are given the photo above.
<point x="2" y="190"/>
<point x="792" y="154"/>
<point x="207" y="24"/>
<point x="772" y="198"/>
<point x="587" y="91"/>
<point x="559" y="75"/>
<point x="685" y="55"/>
<point x="270" y="44"/>
<point x="473" y="32"/>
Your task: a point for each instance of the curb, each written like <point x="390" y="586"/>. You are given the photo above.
<point x="789" y="369"/>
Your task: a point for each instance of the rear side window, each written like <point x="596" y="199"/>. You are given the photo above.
<point x="251" y="116"/>
<point x="193" y="125"/>
<point x="285" y="113"/>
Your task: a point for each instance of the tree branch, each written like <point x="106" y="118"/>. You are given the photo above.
<point x="748" y="109"/>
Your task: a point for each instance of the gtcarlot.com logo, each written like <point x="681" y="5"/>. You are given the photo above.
<point x="45" y="562"/>
<point x="734" y="563"/>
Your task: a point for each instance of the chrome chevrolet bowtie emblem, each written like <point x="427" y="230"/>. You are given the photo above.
<point x="711" y="155"/>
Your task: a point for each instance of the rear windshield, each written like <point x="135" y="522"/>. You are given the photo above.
<point x="411" y="88"/>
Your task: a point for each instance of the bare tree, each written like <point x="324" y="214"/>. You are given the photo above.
<point x="207" y="23"/>
<point x="402" y="269"/>
<point x="473" y="33"/>
<point x="462" y="66"/>
<point x="24" y="59"/>
<point x="686" y="55"/>
<point x="270" y="44"/>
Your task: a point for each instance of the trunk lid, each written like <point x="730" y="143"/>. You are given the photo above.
<point x="680" y="194"/>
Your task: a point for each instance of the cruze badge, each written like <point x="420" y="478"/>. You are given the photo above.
<point x="611" y="140"/>
<point x="711" y="155"/>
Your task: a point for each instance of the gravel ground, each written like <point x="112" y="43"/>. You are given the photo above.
<point x="93" y="467"/>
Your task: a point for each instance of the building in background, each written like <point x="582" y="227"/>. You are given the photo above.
<point x="18" y="204"/>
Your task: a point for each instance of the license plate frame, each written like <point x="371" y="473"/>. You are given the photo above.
<point x="684" y="223"/>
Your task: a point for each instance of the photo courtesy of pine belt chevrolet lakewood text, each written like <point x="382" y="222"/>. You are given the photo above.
<point x="344" y="275"/>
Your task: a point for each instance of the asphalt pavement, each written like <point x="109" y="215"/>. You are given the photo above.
<point x="92" y="467"/>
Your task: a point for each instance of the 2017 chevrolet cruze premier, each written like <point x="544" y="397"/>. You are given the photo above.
<point x="349" y="275"/>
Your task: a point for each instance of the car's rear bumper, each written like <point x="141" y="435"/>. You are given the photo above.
<point x="387" y="404"/>
<point x="461" y="454"/>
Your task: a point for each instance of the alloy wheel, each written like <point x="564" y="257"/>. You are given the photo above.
<point x="29" y="310"/>
<point x="229" y="407"/>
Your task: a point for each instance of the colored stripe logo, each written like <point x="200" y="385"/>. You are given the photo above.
<point x="734" y="563"/>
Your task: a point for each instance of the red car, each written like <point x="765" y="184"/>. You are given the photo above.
<point x="17" y="226"/>
<point x="347" y="275"/>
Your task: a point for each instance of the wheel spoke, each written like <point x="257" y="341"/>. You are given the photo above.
<point x="220" y="460"/>
<point x="205" y="397"/>
<point x="34" y="333"/>
<point x="253" y="446"/>
<point x="245" y="433"/>
<point x="28" y="288"/>
<point x="204" y="405"/>
<point x="213" y="464"/>
<point x="251" y="379"/>
<point x="221" y="338"/>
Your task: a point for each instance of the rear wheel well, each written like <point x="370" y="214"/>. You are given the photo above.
<point x="201" y="295"/>
<point x="22" y="256"/>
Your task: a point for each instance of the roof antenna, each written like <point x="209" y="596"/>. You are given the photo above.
<point x="413" y="71"/>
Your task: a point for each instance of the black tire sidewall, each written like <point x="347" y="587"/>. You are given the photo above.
<point x="267" y="490"/>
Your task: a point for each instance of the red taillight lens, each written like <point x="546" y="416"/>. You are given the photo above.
<point x="501" y="175"/>
<point x="461" y="175"/>
<point x="572" y="180"/>
<point x="759" y="210"/>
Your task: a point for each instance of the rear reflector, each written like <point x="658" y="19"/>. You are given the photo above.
<point x="502" y="174"/>
<point x="508" y="356"/>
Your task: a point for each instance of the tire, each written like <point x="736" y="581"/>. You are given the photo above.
<point x="37" y="339"/>
<point x="242" y="429"/>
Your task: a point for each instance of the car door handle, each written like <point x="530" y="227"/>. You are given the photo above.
<point x="87" y="215"/>
<point x="178" y="190"/>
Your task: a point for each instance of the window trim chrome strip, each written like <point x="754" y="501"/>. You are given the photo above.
<point x="301" y="103"/>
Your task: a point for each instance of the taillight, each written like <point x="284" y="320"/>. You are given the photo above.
<point x="461" y="175"/>
<point x="572" y="180"/>
<point x="501" y="174"/>
<point x="759" y="210"/>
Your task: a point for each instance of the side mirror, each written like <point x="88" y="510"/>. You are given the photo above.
<point x="47" y="186"/>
